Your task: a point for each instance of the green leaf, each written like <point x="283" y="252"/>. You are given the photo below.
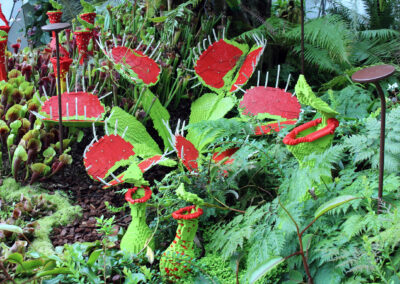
<point x="80" y="136"/>
<point x="10" y="228"/>
<point x="306" y="96"/>
<point x="94" y="256"/>
<point x="263" y="268"/>
<point x="188" y="196"/>
<point x="56" y="271"/>
<point x="296" y="276"/>
<point x="55" y="5"/>
<point x="333" y="204"/>
<point x="87" y="7"/>
<point x="134" y="175"/>
<point x="29" y="265"/>
<point x="207" y="107"/>
<point x="144" y="145"/>
<point x="158" y="19"/>
<point x="15" y="258"/>
<point x="158" y="113"/>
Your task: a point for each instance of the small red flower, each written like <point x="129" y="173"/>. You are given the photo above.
<point x="184" y="213"/>
<point x="146" y="197"/>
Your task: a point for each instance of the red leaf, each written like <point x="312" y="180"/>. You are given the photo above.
<point x="146" y="68"/>
<point x="103" y="155"/>
<point x="214" y="63"/>
<point x="247" y="69"/>
<point x="273" y="126"/>
<point x="94" y="108"/>
<point x="270" y="100"/>
<point x="146" y="164"/>
<point x="190" y="153"/>
<point x="114" y="182"/>
<point x="217" y="157"/>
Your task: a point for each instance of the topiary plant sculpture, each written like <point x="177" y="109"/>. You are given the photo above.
<point x="175" y="262"/>
<point x="225" y="64"/>
<point x="314" y="136"/>
<point x="65" y="62"/>
<point x="80" y="109"/>
<point x="54" y="18"/>
<point x="138" y="235"/>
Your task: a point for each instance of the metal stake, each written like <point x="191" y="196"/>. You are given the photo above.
<point x="56" y="28"/>
<point x="373" y="75"/>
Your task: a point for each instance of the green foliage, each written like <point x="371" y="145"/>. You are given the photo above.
<point x="63" y="213"/>
<point x="208" y="107"/>
<point x="158" y="113"/>
<point x="365" y="145"/>
<point x="56" y="5"/>
<point x="357" y="107"/>
<point x="136" y="132"/>
<point x="87" y="7"/>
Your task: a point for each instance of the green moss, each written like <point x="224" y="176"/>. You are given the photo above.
<point x="64" y="214"/>
<point x="217" y="268"/>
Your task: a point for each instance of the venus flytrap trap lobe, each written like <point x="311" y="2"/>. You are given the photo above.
<point x="133" y="64"/>
<point x="216" y="66"/>
<point x="272" y="103"/>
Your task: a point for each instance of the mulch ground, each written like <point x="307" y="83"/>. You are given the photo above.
<point x="88" y="194"/>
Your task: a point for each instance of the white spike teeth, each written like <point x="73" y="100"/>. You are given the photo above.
<point x="215" y="35"/>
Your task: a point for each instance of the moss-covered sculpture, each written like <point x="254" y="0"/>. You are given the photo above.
<point x="138" y="235"/>
<point x="314" y="136"/>
<point x="175" y="262"/>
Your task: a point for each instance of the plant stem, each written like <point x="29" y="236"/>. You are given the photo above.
<point x="8" y="277"/>
<point x="299" y="235"/>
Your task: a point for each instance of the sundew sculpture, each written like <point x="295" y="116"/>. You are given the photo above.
<point x="138" y="235"/>
<point x="175" y="262"/>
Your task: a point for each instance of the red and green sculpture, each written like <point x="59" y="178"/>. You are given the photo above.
<point x="65" y="62"/>
<point x="175" y="262"/>
<point x="225" y="64"/>
<point x="80" y="109"/>
<point x="82" y="41"/>
<point x="138" y="235"/>
<point x="315" y="136"/>
<point x="54" y="18"/>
